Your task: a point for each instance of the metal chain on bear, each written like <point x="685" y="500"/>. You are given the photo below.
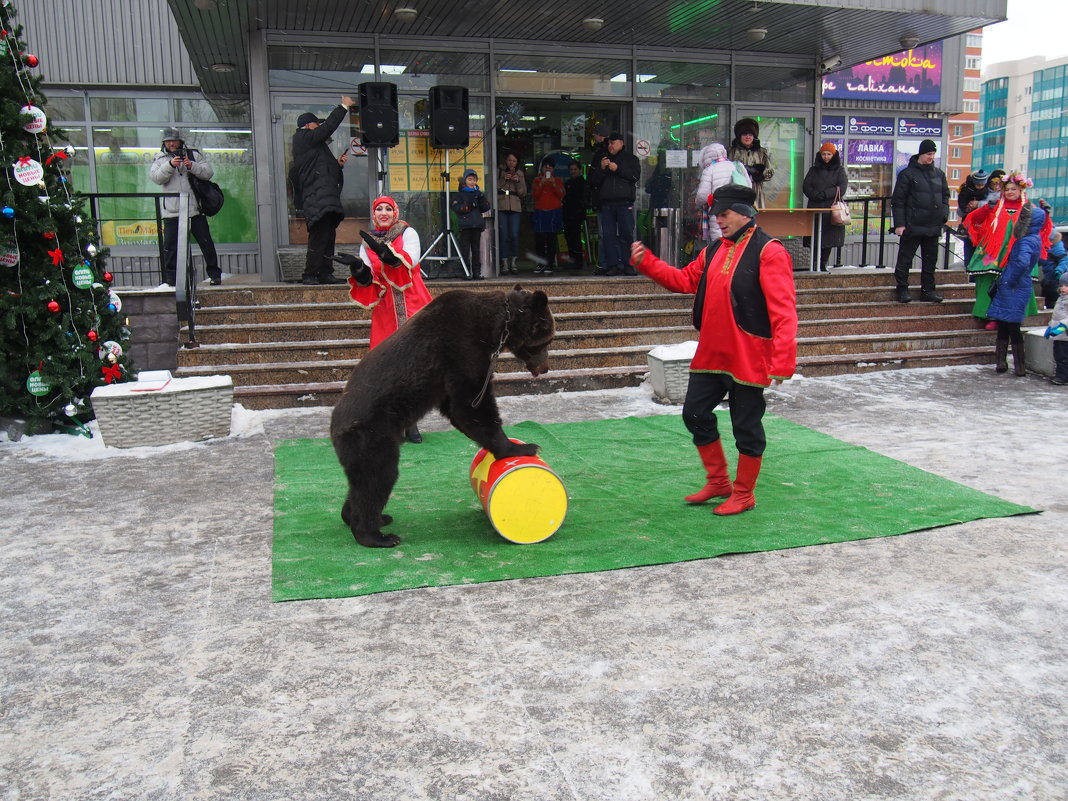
<point x="493" y="359"/>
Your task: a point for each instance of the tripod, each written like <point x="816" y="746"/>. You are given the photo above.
<point x="446" y="232"/>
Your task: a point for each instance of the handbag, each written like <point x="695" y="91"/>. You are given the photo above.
<point x="209" y="195"/>
<point x="839" y="210"/>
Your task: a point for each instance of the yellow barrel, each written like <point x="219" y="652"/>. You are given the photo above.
<point x="524" y="499"/>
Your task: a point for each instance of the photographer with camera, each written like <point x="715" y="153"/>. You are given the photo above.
<point x="170" y="169"/>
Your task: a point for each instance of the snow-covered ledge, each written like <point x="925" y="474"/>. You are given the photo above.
<point x="1038" y="351"/>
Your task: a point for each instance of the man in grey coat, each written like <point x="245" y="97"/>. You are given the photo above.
<point x="317" y="178"/>
<point x="171" y="169"/>
<point x="920" y="207"/>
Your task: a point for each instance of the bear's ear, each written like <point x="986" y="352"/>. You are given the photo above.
<point x="517" y="288"/>
<point x="539" y="301"/>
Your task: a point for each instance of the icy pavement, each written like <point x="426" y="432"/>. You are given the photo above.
<point x="142" y="657"/>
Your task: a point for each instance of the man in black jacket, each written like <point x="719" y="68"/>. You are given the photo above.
<point x="920" y="207"/>
<point x="615" y="179"/>
<point x="317" y="177"/>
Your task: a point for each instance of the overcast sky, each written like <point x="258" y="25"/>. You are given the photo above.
<point x="1033" y="28"/>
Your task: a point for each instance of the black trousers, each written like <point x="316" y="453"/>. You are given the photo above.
<point x="705" y="391"/>
<point x="1060" y="359"/>
<point x="928" y="246"/>
<point x="471" y="248"/>
<point x="573" y="235"/>
<point x="199" y="230"/>
<point x="321" y="238"/>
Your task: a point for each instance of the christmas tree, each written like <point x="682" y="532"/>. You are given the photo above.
<point x="62" y="331"/>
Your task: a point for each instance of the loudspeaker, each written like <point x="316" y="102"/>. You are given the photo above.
<point x="448" y="116"/>
<point x="378" y="115"/>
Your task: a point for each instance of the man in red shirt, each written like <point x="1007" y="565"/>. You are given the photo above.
<point x="745" y="310"/>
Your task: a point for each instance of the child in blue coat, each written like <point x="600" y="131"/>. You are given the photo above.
<point x="470" y="204"/>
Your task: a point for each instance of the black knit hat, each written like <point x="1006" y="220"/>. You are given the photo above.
<point x="746" y="125"/>
<point x="927" y="146"/>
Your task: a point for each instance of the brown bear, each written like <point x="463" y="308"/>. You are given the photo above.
<point x="442" y="357"/>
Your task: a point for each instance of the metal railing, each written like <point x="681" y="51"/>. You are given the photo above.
<point x="885" y="227"/>
<point x="185" y="289"/>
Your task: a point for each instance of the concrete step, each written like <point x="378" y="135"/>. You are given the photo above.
<point x="284" y="396"/>
<point x="839" y="364"/>
<point x="555" y="287"/>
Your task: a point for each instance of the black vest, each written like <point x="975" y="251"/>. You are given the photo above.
<point x="748" y="303"/>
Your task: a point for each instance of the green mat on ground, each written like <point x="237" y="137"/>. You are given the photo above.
<point x="625" y="481"/>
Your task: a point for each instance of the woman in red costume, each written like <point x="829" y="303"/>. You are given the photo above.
<point x="386" y="278"/>
<point x="745" y="310"/>
<point x="993" y="232"/>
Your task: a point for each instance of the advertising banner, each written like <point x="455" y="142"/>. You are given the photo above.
<point x="919" y="126"/>
<point x="914" y="75"/>
<point x="871" y="126"/>
<point x="870" y="151"/>
<point x="832" y="126"/>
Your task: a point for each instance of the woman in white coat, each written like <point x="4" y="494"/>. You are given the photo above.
<point x="716" y="171"/>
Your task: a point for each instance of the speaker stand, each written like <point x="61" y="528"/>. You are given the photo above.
<point x="445" y="233"/>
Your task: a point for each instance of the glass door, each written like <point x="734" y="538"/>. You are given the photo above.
<point x="359" y="172"/>
<point x="785" y="138"/>
<point x="561" y="130"/>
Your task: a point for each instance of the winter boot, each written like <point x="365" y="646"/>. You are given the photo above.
<point x="1001" y="350"/>
<point x="512" y="268"/>
<point x="718" y="482"/>
<point x="742" y="499"/>
<point x="504" y="267"/>
<point x="1018" y="366"/>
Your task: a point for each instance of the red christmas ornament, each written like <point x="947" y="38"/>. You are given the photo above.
<point x="48" y="235"/>
<point x="92" y="336"/>
<point x="32" y="60"/>
<point x="53" y="306"/>
<point x="109" y="277"/>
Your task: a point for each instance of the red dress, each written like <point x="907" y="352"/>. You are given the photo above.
<point x="723" y="346"/>
<point x="395" y="293"/>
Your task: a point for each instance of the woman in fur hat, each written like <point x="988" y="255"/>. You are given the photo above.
<point x="826" y="182"/>
<point x="745" y="147"/>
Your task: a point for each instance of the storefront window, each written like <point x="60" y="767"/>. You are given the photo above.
<point x="65" y="107"/>
<point x="129" y="109"/>
<point x="415" y="171"/>
<point x="123" y="157"/>
<point x="200" y="110"/>
<point x="759" y="84"/>
<point x="562" y="75"/>
<point x="423" y="69"/>
<point x="683" y="81"/>
<point x="325" y="68"/>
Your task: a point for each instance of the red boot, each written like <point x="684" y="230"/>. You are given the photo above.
<point x="742" y="499"/>
<point x="719" y="484"/>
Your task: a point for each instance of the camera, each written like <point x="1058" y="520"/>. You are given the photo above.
<point x="181" y="153"/>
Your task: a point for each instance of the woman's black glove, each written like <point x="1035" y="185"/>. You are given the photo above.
<point x="357" y="269"/>
<point x="385" y="255"/>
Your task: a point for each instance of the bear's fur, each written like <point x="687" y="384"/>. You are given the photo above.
<point x="442" y="357"/>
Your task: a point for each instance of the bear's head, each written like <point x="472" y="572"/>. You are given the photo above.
<point x="530" y="328"/>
